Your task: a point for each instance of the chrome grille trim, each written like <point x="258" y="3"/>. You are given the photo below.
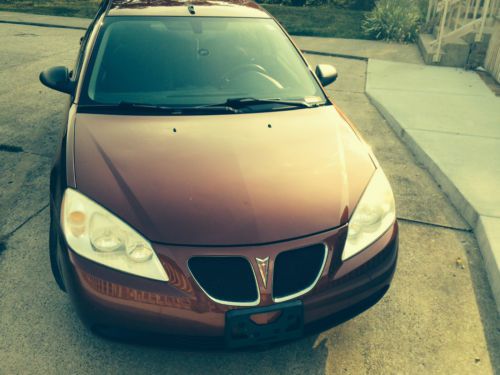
<point x="309" y="288"/>
<point x="231" y="303"/>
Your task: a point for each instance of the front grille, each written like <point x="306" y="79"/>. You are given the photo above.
<point x="227" y="280"/>
<point x="297" y="271"/>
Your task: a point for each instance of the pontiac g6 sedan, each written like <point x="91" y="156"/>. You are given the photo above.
<point x="206" y="186"/>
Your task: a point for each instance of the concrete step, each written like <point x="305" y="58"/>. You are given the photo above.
<point x="423" y="43"/>
<point x="478" y="50"/>
<point x="488" y="29"/>
<point x="455" y="53"/>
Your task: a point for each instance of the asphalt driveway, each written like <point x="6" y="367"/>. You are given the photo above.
<point x="438" y="317"/>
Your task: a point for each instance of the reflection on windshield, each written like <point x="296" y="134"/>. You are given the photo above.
<point x="181" y="61"/>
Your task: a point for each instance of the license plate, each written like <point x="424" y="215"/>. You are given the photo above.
<point x="243" y="330"/>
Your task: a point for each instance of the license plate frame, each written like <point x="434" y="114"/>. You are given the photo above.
<point x="242" y="331"/>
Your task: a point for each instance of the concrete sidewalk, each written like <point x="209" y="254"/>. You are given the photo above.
<point x="366" y="49"/>
<point x="451" y="121"/>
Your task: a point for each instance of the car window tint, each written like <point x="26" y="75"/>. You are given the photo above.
<point x="194" y="61"/>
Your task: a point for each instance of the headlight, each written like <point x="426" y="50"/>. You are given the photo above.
<point x="373" y="216"/>
<point x="96" y="234"/>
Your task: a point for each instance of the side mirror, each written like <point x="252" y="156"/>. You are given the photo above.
<point x="57" y="78"/>
<point x="326" y="74"/>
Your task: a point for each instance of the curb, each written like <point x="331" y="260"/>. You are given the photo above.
<point x="332" y="54"/>
<point x="456" y="197"/>
<point x="485" y="244"/>
<point x="471" y="216"/>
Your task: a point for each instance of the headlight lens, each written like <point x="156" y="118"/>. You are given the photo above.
<point x="96" y="234"/>
<point x="373" y="216"/>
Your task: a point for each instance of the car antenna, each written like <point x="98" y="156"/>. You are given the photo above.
<point x="191" y="9"/>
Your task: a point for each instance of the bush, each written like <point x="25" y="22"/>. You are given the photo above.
<point x="356" y="4"/>
<point x="397" y="20"/>
<point x="342" y="3"/>
<point x="314" y="3"/>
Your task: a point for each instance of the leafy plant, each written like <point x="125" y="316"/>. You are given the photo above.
<point x="396" y="20"/>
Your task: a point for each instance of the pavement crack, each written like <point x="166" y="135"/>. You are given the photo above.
<point x="427" y="92"/>
<point x="5" y="238"/>
<point x="441" y="226"/>
<point x="455" y="133"/>
<point x="331" y="54"/>
<point x="26" y="34"/>
<point x="10" y="148"/>
<point x="41" y="24"/>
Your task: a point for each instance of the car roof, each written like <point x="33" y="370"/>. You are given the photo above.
<point x="195" y="8"/>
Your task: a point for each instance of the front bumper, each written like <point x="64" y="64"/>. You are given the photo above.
<point x="112" y="302"/>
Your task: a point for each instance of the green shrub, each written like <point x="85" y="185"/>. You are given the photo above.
<point x="294" y="3"/>
<point x="354" y="4"/>
<point x="364" y="4"/>
<point x="397" y="20"/>
<point x="314" y="3"/>
<point x="342" y="3"/>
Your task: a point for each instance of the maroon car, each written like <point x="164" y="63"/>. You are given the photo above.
<point x="206" y="186"/>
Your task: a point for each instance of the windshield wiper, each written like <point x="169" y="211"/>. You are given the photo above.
<point x="163" y="108"/>
<point x="125" y="104"/>
<point x="232" y="105"/>
<point x="238" y="103"/>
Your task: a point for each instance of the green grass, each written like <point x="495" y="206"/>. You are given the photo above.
<point x="326" y="21"/>
<point x="70" y="8"/>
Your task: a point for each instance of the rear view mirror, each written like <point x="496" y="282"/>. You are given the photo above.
<point x="57" y="78"/>
<point x="326" y="74"/>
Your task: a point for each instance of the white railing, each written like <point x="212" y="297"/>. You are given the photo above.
<point x="492" y="61"/>
<point x="456" y="18"/>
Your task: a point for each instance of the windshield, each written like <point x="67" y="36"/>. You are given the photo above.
<point x="191" y="62"/>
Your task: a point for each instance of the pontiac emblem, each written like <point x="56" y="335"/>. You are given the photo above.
<point x="263" y="265"/>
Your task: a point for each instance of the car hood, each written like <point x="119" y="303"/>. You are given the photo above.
<point x="223" y="180"/>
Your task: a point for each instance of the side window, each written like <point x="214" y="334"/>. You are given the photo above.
<point x="75" y="73"/>
<point x="79" y="59"/>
